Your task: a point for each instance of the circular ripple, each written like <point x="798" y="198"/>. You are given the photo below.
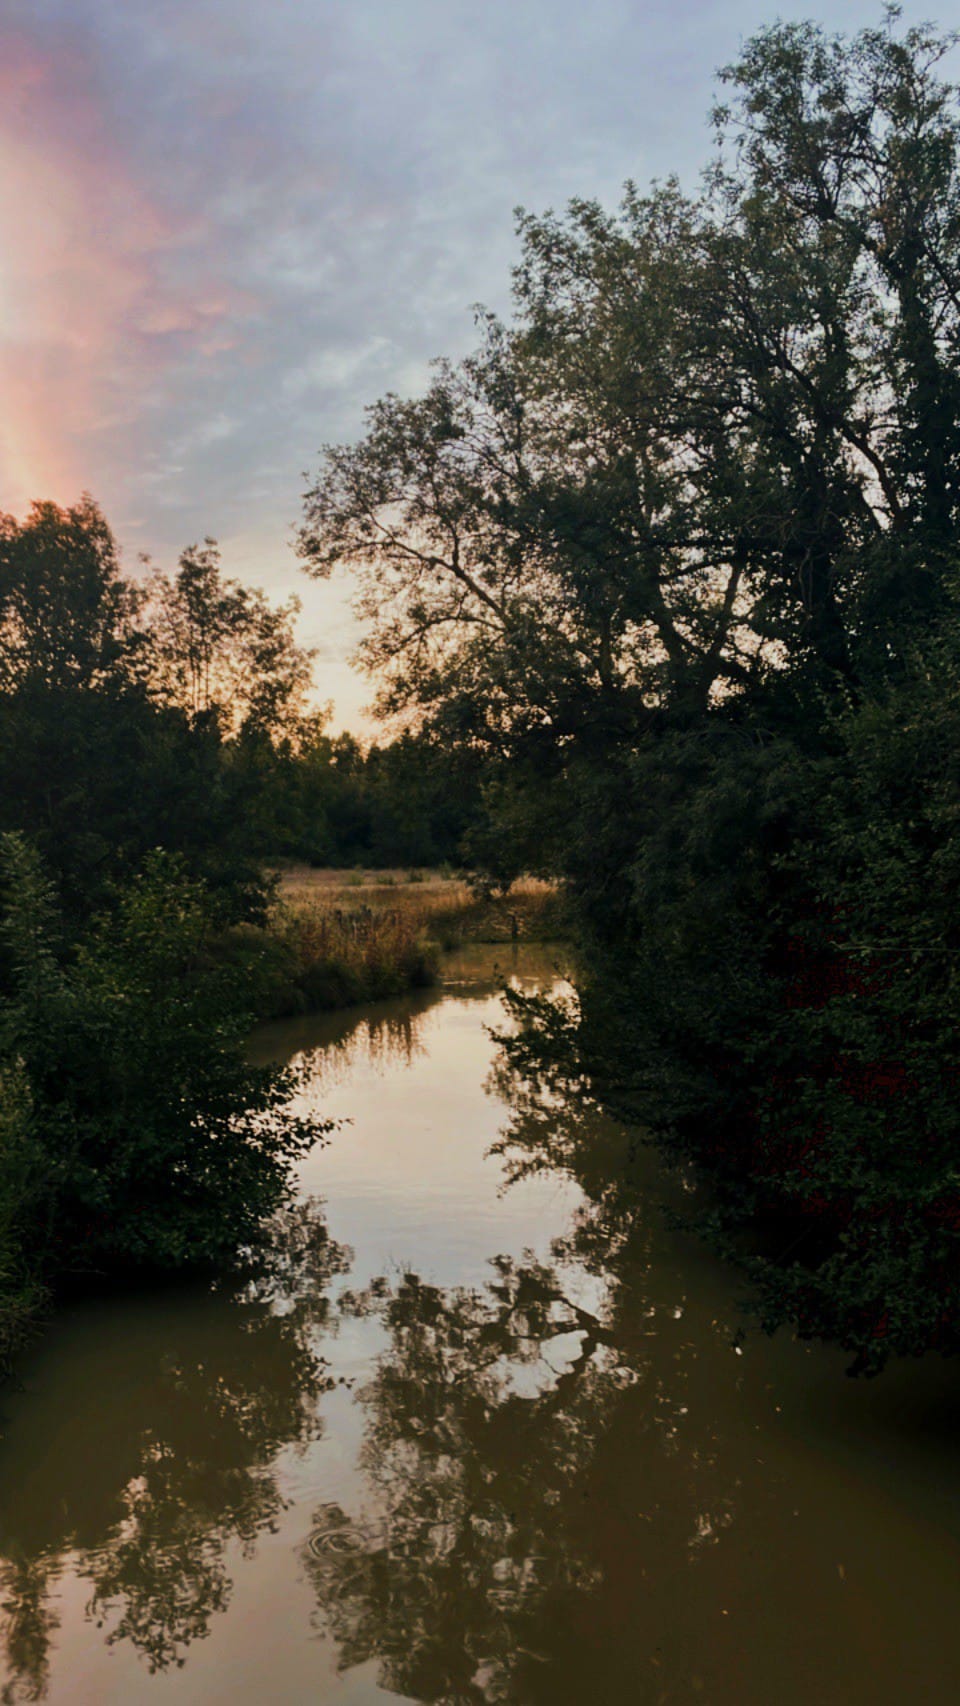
<point x="335" y="1536"/>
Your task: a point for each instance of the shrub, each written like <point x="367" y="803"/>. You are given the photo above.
<point x="340" y="957"/>
<point x="157" y="1145"/>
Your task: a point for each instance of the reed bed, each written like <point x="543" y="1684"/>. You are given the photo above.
<point x="334" y="940"/>
<point x="345" y="955"/>
<point x="444" y="909"/>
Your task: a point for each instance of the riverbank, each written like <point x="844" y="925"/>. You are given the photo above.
<point x="336" y="938"/>
<point x="333" y="940"/>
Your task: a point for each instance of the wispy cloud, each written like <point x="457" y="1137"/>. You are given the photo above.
<point x="225" y="228"/>
<point x="96" y="301"/>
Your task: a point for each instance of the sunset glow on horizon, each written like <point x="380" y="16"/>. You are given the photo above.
<point x="228" y="230"/>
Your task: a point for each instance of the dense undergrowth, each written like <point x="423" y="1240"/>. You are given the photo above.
<point x="769" y="987"/>
<point x="136" y="1137"/>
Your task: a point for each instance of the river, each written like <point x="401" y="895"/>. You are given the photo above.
<point x="480" y="1431"/>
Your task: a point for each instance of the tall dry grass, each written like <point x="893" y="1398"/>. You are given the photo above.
<point x="336" y="938"/>
<point x="444" y="909"/>
<point x="358" y="954"/>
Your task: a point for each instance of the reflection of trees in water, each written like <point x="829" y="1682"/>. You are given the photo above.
<point x="29" y="1624"/>
<point x="171" y="1459"/>
<point x="541" y="1453"/>
<point x="379" y="1040"/>
<point x="470" y="1473"/>
<point x="536" y="1471"/>
<point x="552" y="1123"/>
<point x="389" y="1034"/>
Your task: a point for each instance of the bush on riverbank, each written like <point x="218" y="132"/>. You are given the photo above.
<point x="771" y="988"/>
<point x="324" y="957"/>
<point x="22" y="1292"/>
<point x="136" y="1137"/>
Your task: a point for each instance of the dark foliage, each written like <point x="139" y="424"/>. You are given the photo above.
<point x="136" y="1136"/>
<point x="677" y="549"/>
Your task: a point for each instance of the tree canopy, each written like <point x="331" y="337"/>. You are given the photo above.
<point x="676" y="547"/>
<point x="220" y="648"/>
<point x="717" y="440"/>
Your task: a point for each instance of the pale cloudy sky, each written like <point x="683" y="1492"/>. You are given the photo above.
<point x="229" y="224"/>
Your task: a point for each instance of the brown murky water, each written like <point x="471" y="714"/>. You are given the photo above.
<point x="474" y="1443"/>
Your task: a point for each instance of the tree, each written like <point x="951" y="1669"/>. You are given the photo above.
<point x="161" y="1148"/>
<point x="716" y="440"/>
<point x="135" y="717"/>
<point x="67" y="617"/>
<point x="677" y="548"/>
<point x="221" y="649"/>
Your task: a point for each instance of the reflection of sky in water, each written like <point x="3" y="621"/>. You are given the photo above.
<point x="469" y="1444"/>
<point x="408" y="1182"/>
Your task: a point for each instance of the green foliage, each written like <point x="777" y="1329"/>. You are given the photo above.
<point x="67" y="617"/>
<point x="94" y="767"/>
<point x="867" y="1140"/>
<point x="22" y="1291"/>
<point x="676" y="550"/>
<point x="137" y="1136"/>
<point x="219" y="648"/>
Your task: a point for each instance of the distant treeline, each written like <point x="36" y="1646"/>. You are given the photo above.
<point x="330" y="801"/>
<point x="174" y="712"/>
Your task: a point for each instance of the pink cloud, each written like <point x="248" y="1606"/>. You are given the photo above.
<point x="93" y="300"/>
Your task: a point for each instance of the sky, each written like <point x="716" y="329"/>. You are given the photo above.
<point x="227" y="225"/>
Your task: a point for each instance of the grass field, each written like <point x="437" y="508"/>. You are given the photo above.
<point x="336" y="938"/>
<point x="443" y="907"/>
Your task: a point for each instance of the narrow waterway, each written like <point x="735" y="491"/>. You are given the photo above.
<point x="480" y="1432"/>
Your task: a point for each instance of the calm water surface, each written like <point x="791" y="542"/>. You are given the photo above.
<point x="469" y="1440"/>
